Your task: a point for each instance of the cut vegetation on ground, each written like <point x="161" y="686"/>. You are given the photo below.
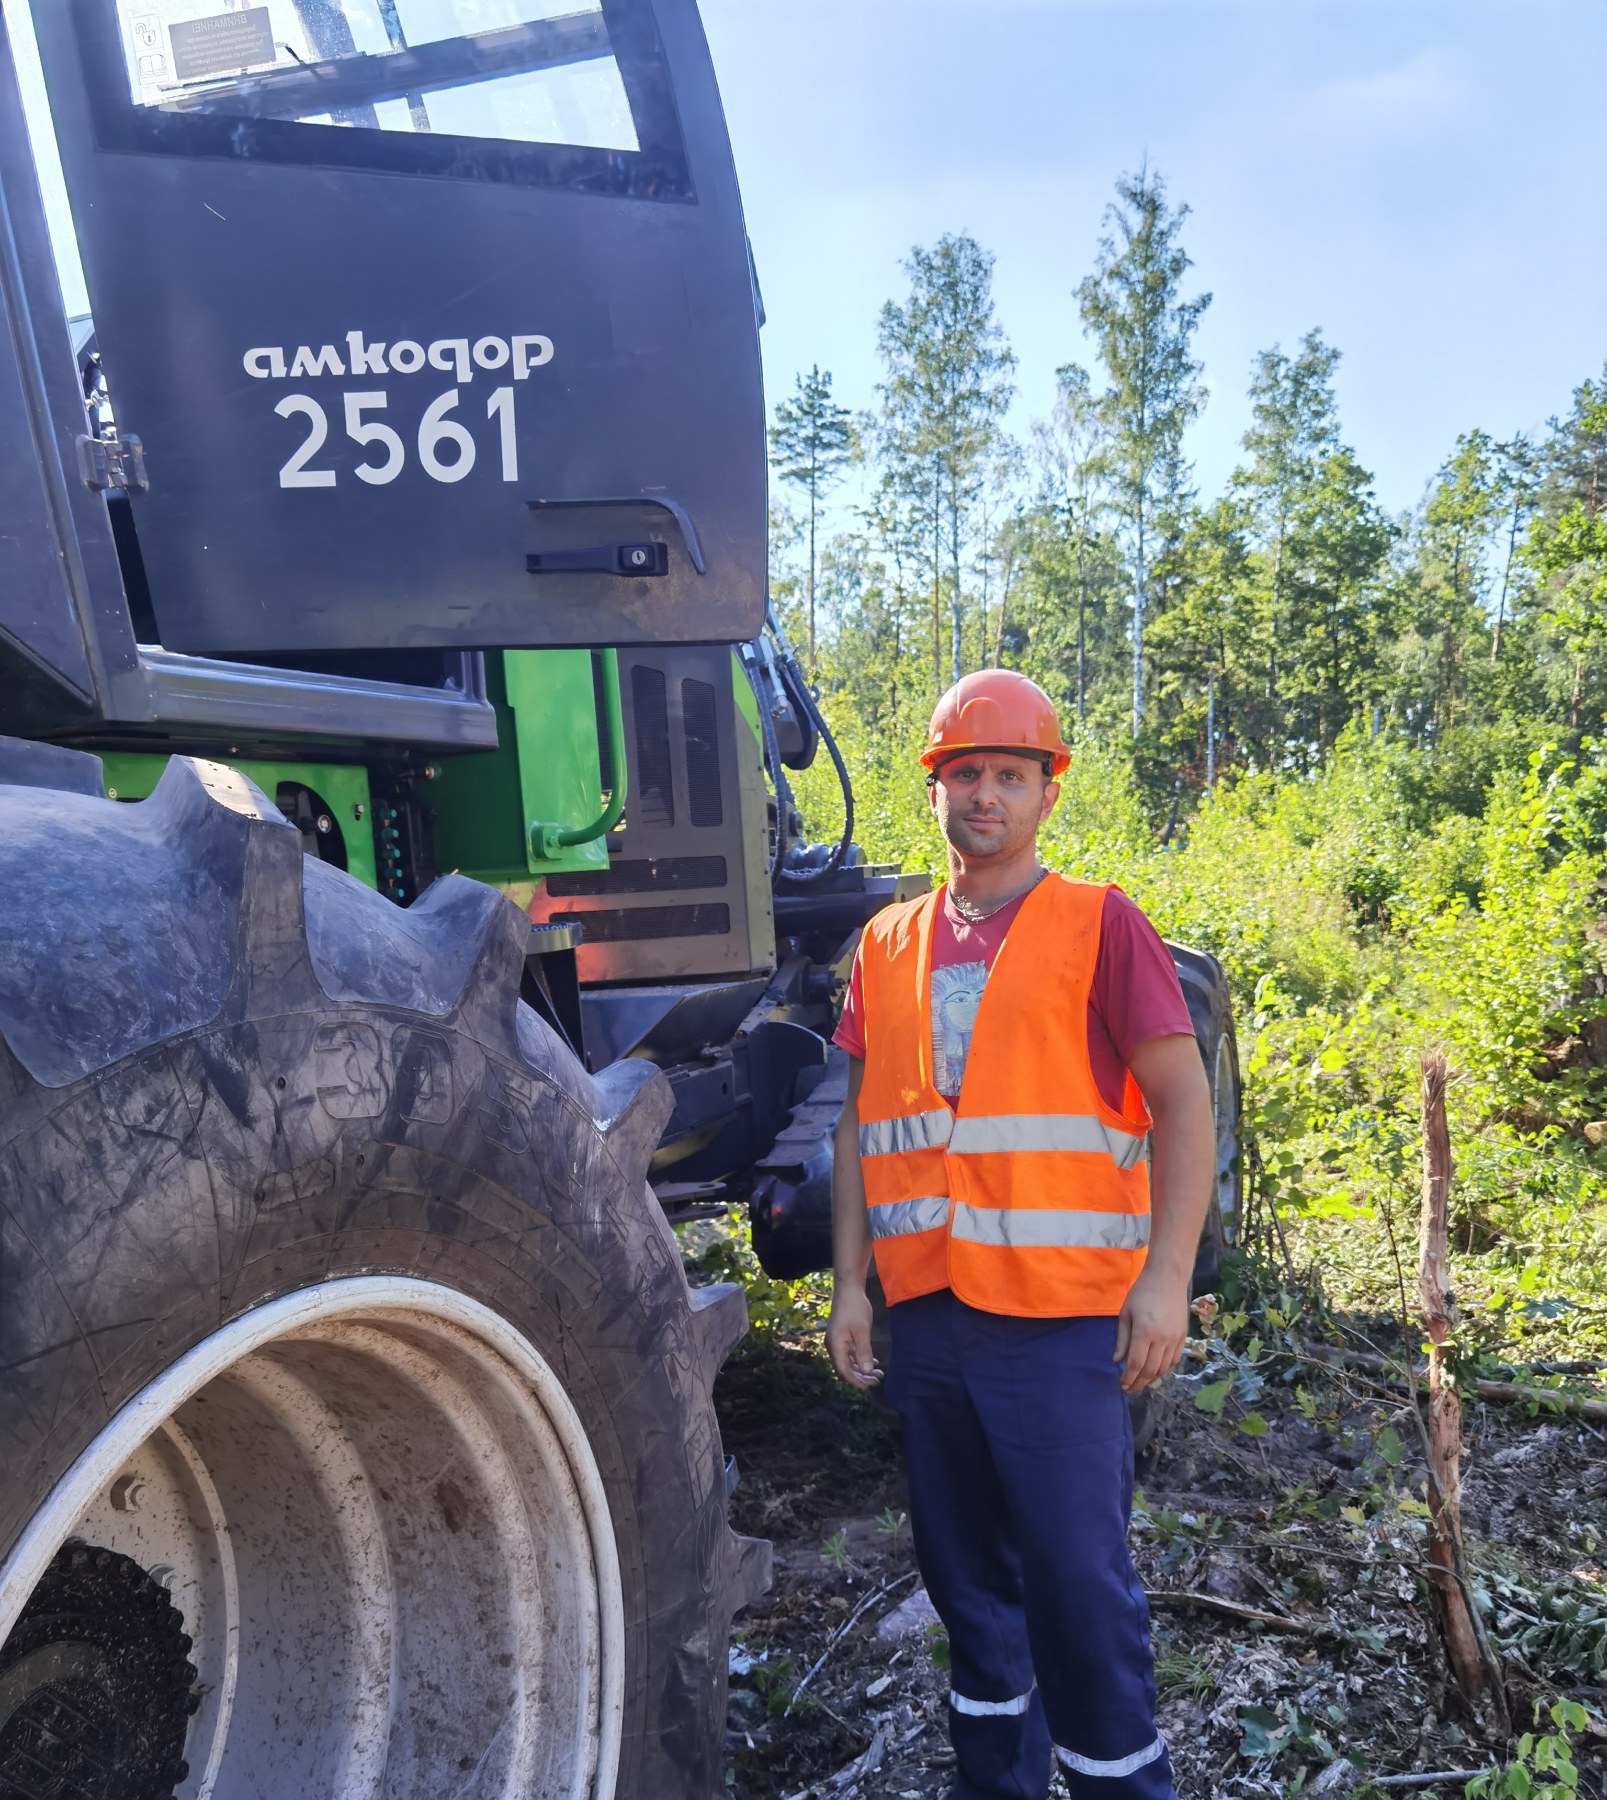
<point x="1280" y="1533"/>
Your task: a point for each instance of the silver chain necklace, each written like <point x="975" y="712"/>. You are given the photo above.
<point x="974" y="917"/>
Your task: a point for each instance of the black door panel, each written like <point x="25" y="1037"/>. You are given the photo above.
<point x="372" y="358"/>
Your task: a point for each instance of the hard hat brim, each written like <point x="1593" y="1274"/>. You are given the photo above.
<point x="1059" y="759"/>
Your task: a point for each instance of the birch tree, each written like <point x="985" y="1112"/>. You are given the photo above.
<point x="1294" y="428"/>
<point x="1132" y="307"/>
<point x="1071" y="449"/>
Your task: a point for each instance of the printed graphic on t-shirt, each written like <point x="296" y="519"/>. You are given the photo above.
<point x="956" y="994"/>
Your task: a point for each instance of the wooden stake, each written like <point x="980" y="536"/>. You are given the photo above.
<point x="1471" y="1664"/>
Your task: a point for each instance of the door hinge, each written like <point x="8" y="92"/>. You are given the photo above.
<point x="117" y="462"/>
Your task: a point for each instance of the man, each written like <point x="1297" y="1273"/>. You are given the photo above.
<point x="1027" y="1147"/>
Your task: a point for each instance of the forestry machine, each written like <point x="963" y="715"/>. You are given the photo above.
<point x="403" y="918"/>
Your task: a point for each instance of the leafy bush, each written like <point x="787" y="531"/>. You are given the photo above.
<point x="1559" y="1628"/>
<point x="1544" y="1766"/>
<point x="1395" y="899"/>
<point x="1500" y="977"/>
<point x="720" y="1250"/>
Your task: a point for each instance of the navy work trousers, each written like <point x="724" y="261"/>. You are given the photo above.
<point x="1020" y="1457"/>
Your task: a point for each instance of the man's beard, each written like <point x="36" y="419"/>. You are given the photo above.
<point x="965" y="838"/>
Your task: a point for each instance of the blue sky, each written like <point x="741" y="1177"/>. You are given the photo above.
<point x="1419" y="178"/>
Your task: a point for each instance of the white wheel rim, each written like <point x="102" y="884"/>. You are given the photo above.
<point x="384" y="1524"/>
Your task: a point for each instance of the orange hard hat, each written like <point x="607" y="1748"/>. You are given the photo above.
<point x="995" y="709"/>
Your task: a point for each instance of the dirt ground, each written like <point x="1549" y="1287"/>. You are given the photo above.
<point x="1313" y="1523"/>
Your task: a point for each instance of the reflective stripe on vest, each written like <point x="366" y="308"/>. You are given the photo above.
<point x="1013" y="1228"/>
<point x="919" y="1131"/>
<point x="1076" y="1132"/>
<point x="901" y="1218"/>
<point x="1029" y="1228"/>
<point x="1029" y="1195"/>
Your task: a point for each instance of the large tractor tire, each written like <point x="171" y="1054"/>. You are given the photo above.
<point x="355" y="1432"/>
<point x="1205" y="990"/>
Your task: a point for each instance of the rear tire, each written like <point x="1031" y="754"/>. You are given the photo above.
<point x="1205" y="989"/>
<point x="333" y="1295"/>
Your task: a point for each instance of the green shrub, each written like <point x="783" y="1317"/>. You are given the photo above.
<point x="1393" y="900"/>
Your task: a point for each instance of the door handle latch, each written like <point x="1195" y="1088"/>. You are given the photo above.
<point x="607" y="559"/>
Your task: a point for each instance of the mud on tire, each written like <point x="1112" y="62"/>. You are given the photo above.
<point x="232" y="1079"/>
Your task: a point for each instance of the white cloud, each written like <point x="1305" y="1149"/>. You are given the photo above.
<point x="1426" y="88"/>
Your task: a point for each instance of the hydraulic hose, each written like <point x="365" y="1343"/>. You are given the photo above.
<point x="835" y="860"/>
<point x="773" y="765"/>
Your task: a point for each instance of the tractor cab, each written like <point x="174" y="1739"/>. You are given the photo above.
<point x="422" y="323"/>
<point x="409" y="456"/>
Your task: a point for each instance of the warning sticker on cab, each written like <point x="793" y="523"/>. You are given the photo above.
<point x="223" y="44"/>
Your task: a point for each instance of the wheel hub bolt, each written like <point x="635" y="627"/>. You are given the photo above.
<point x="127" y="1493"/>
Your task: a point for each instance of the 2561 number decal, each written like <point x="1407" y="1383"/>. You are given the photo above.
<point x="445" y="447"/>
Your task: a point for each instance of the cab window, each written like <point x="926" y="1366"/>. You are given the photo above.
<point x="579" y="86"/>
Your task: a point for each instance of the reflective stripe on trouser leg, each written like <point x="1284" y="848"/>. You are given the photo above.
<point x="1124" y="1765"/>
<point x="991" y="1709"/>
<point x="960" y="1520"/>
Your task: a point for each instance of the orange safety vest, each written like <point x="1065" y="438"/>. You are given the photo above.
<point x="1032" y="1196"/>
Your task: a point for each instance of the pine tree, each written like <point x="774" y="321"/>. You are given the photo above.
<point x="1339" y="538"/>
<point x="1205" y="649"/>
<point x="950" y="378"/>
<point x="812" y="442"/>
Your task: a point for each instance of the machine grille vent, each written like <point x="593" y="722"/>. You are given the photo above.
<point x="643" y="875"/>
<point x="655" y="792"/>
<point x="702" y="752"/>
<point x="706" y="920"/>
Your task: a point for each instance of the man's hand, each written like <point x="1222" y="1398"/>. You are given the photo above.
<point x="848" y="1336"/>
<point x="1150" y="1329"/>
<point x="1153" y="1323"/>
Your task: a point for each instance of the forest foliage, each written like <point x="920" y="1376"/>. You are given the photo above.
<point x="1362" y="758"/>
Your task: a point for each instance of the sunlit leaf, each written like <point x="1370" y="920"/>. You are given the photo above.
<point x="1210" y="1398"/>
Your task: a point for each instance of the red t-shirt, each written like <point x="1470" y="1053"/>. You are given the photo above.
<point x="1135" y="996"/>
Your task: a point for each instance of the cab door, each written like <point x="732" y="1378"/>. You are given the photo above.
<point x="434" y="318"/>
